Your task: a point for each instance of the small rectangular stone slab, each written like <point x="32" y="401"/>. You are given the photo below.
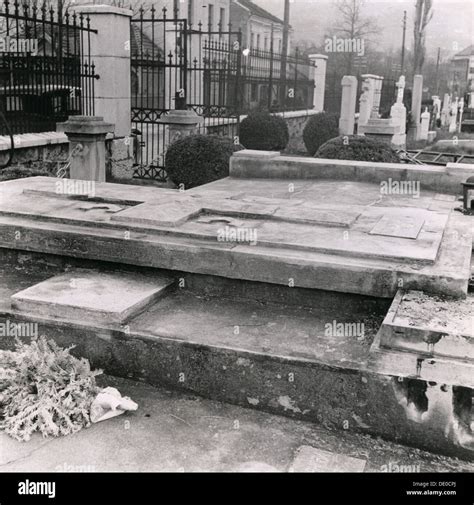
<point x="309" y="459"/>
<point x="430" y="326"/>
<point x="93" y="296"/>
<point x="167" y="214"/>
<point x="398" y="226"/>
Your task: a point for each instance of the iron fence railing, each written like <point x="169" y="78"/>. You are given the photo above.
<point x="46" y="69"/>
<point x="265" y="87"/>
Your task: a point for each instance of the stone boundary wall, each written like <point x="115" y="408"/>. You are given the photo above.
<point x="39" y="151"/>
<point x="44" y="151"/>
<point x="296" y="121"/>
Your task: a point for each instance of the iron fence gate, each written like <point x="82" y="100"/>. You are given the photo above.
<point x="170" y="60"/>
<point x="158" y="69"/>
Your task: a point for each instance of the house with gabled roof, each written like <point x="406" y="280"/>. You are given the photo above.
<point x="256" y="24"/>
<point x="463" y="74"/>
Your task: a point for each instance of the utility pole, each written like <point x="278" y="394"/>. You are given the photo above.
<point x="437" y="71"/>
<point x="403" y="42"/>
<point x="284" y="52"/>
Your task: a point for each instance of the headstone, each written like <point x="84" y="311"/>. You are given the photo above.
<point x="424" y="125"/>
<point x="348" y="105"/>
<point x="453" y="116"/>
<point x="416" y="103"/>
<point x="398" y="116"/>
<point x="378" y="82"/>
<point x="431" y="136"/>
<point x="436" y="106"/>
<point x="461" y="110"/>
<point x="365" y="102"/>
<point x="445" y="110"/>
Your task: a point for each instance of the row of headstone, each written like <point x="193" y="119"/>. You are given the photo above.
<point x="369" y="122"/>
<point x="448" y="112"/>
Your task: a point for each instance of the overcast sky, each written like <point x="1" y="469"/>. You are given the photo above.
<point x="451" y="27"/>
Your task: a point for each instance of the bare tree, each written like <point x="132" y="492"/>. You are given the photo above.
<point x="423" y="15"/>
<point x="353" y="25"/>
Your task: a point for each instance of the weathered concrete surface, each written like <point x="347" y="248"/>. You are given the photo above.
<point x="287" y="359"/>
<point x="300" y="238"/>
<point x="179" y="432"/>
<point x="430" y="325"/>
<point x="90" y="295"/>
<point x="432" y="178"/>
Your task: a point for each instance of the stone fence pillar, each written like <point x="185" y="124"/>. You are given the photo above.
<point x="86" y="135"/>
<point x="181" y="123"/>
<point x="319" y="76"/>
<point x="110" y="51"/>
<point x="348" y="105"/>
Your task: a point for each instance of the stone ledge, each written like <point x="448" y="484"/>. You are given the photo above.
<point x="27" y="140"/>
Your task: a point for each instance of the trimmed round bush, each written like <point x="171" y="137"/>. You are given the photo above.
<point x="319" y="129"/>
<point x="199" y="159"/>
<point x="357" y="147"/>
<point x="264" y="132"/>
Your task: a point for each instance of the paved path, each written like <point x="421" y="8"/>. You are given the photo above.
<point x="178" y="432"/>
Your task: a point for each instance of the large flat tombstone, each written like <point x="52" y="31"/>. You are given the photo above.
<point x="357" y="241"/>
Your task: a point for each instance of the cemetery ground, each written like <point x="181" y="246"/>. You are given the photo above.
<point x="178" y="432"/>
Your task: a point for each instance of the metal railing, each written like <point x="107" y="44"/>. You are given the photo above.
<point x="46" y="70"/>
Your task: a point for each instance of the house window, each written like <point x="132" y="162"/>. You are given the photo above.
<point x="265" y="43"/>
<point x="252" y="40"/>
<point x="210" y="20"/>
<point x="279" y="46"/>
<point x="222" y="20"/>
<point x="258" y="41"/>
<point x="190" y="12"/>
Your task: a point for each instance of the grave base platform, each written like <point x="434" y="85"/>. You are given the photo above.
<point x="261" y="346"/>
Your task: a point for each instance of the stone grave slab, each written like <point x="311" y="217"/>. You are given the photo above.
<point x="329" y="243"/>
<point x="92" y="296"/>
<point x="311" y="460"/>
<point x="398" y="226"/>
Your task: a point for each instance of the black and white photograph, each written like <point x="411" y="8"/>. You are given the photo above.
<point x="236" y="252"/>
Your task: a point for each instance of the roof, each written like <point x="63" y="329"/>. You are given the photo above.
<point x="469" y="51"/>
<point x="141" y="44"/>
<point x="259" y="11"/>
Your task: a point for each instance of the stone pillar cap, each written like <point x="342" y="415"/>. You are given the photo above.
<point x="88" y="125"/>
<point x="102" y="9"/>
<point x="184" y="117"/>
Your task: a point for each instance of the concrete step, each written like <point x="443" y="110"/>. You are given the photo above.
<point x="300" y="353"/>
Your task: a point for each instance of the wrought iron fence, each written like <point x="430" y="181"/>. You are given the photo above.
<point x="46" y="70"/>
<point x="265" y="87"/>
